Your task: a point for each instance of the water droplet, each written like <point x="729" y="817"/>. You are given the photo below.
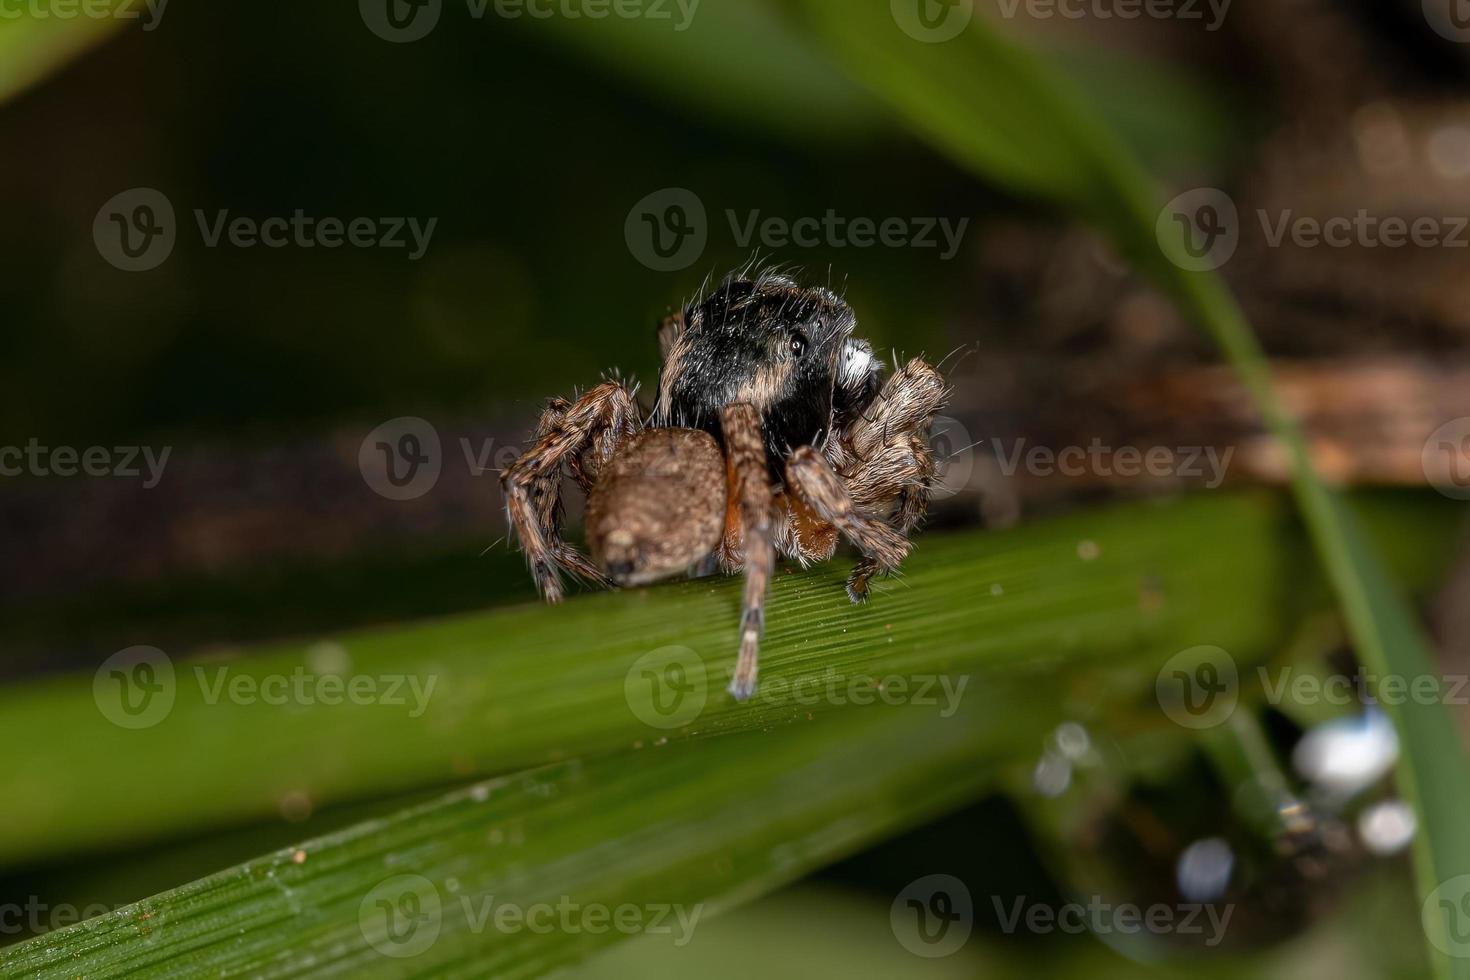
<point x="1053" y="774"/>
<point x="1387" y="827"/>
<point x="1347" y="755"/>
<point x="1203" y="871"/>
<point x="1072" y="740"/>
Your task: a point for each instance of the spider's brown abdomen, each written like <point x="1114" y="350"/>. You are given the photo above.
<point x="658" y="507"/>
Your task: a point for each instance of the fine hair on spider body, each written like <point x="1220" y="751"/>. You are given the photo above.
<point x="774" y="431"/>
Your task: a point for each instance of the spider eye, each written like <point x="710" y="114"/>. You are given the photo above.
<point x="797" y="343"/>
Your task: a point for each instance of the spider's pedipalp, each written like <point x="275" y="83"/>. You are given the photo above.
<point x="906" y="403"/>
<point x="889" y="467"/>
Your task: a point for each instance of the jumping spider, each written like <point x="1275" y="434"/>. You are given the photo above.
<point x="774" y="429"/>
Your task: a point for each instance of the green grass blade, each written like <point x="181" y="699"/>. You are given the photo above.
<point x="1000" y="111"/>
<point x="698" y="827"/>
<point x="33" y="47"/>
<point x="692" y="821"/>
<point x="525" y="686"/>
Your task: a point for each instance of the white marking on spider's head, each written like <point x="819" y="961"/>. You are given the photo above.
<point x="858" y="363"/>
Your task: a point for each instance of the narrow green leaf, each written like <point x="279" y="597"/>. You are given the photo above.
<point x="525" y="686"/>
<point x="707" y="823"/>
<point x="517" y="876"/>
<point x="667" y="819"/>
<point x="32" y="47"/>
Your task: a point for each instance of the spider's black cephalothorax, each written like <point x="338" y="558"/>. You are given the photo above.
<point x="766" y="341"/>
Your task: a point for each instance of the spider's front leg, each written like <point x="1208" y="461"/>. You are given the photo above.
<point x="750" y="495"/>
<point x="584" y="435"/>
<point x="892" y="466"/>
